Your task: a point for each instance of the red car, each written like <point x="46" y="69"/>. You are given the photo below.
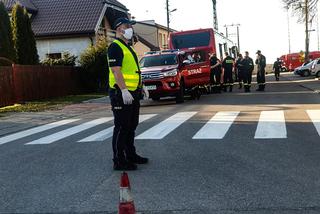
<point x="174" y="73"/>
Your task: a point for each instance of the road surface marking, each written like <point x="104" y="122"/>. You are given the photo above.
<point x="22" y="134"/>
<point x="315" y="117"/>
<point x="165" y="127"/>
<point x="218" y="126"/>
<point x="272" y="125"/>
<point x="71" y="131"/>
<point x="107" y="133"/>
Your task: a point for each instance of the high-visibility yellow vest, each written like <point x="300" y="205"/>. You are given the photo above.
<point x="129" y="69"/>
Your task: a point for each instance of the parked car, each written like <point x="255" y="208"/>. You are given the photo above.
<point x="294" y="60"/>
<point x="315" y="68"/>
<point x="304" y="70"/>
<point x="171" y="73"/>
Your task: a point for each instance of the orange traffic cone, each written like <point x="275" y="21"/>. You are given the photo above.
<point x="126" y="205"/>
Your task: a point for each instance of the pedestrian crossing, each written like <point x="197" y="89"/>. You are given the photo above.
<point x="270" y="125"/>
<point x="218" y="126"/>
<point x="167" y="126"/>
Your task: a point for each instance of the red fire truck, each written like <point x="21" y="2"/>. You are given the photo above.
<point x="294" y="60"/>
<point x="184" y="69"/>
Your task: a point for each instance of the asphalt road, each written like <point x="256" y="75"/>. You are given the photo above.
<point x="264" y="158"/>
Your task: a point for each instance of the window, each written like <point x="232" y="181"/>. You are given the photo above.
<point x="159" y="60"/>
<point x="160" y="39"/>
<point x="191" y="40"/>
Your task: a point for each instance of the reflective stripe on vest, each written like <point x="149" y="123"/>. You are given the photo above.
<point x="129" y="69"/>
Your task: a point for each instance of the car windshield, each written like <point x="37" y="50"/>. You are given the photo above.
<point x="159" y="60"/>
<point x="191" y="40"/>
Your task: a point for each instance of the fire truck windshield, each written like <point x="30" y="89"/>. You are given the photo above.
<point x="159" y="60"/>
<point x="191" y="40"/>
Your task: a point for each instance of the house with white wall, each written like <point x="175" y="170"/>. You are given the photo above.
<point x="69" y="25"/>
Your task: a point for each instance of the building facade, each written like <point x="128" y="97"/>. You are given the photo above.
<point x="70" y="26"/>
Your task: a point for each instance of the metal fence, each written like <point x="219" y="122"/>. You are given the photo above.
<point x="21" y="83"/>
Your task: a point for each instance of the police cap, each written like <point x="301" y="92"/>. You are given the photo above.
<point x="122" y="20"/>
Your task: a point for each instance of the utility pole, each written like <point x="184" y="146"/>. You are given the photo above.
<point x="306" y="59"/>
<point x="238" y="33"/>
<point x="289" y="36"/>
<point x="215" y="16"/>
<point x="168" y="17"/>
<point x="227" y="33"/>
<point x="317" y="20"/>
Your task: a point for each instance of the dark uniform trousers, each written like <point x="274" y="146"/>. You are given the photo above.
<point x="228" y="80"/>
<point x="277" y="74"/>
<point x="240" y="76"/>
<point x="126" y="120"/>
<point x="215" y="79"/>
<point x="261" y="78"/>
<point x="247" y="79"/>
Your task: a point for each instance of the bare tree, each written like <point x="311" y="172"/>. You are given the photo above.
<point x="299" y="9"/>
<point x="306" y="11"/>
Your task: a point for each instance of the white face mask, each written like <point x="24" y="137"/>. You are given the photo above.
<point x="128" y="33"/>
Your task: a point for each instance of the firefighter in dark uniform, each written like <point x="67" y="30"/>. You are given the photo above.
<point x="228" y="66"/>
<point x="240" y="69"/>
<point x="261" y="72"/>
<point x="215" y="74"/>
<point x="125" y="90"/>
<point x="247" y="71"/>
<point x="276" y="68"/>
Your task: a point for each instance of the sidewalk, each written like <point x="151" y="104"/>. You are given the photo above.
<point x="20" y="121"/>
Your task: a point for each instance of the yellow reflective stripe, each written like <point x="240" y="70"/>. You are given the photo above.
<point x="130" y="76"/>
<point x="131" y="84"/>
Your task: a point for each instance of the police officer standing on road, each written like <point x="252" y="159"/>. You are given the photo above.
<point x="261" y="72"/>
<point x="228" y="66"/>
<point x="240" y="69"/>
<point x="247" y="72"/>
<point x="125" y="93"/>
<point x="215" y="74"/>
<point x="277" y="68"/>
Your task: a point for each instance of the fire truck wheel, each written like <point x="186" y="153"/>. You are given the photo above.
<point x="318" y="74"/>
<point x="180" y="95"/>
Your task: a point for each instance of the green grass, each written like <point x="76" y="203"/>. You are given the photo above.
<point x="51" y="104"/>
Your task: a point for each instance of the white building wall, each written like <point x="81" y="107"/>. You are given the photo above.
<point x="74" y="46"/>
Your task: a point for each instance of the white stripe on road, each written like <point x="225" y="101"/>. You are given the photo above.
<point x="218" y="126"/>
<point x="71" y="131"/>
<point x="164" y="128"/>
<point x="272" y="125"/>
<point x="22" y="134"/>
<point x="107" y="133"/>
<point x="315" y="117"/>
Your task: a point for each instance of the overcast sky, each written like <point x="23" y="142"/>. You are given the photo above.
<point x="263" y="22"/>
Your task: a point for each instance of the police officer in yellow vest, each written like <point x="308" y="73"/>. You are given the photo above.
<point x="125" y="90"/>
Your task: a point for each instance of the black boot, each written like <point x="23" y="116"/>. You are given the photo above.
<point x="124" y="166"/>
<point x="138" y="159"/>
<point x="230" y="89"/>
<point x="225" y="88"/>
